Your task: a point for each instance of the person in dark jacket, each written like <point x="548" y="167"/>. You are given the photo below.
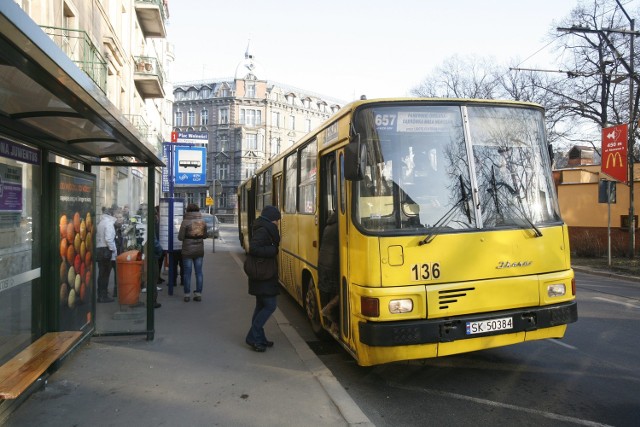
<point x="264" y="243"/>
<point x="192" y="231"/>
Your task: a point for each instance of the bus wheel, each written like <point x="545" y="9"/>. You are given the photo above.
<point x="313" y="312"/>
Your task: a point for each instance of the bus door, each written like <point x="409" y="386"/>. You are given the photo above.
<point x="329" y="272"/>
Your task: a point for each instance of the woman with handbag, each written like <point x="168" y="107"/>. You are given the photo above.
<point x="264" y="244"/>
<point x="192" y="231"/>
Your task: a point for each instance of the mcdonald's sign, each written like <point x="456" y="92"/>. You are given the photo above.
<point x="614" y="152"/>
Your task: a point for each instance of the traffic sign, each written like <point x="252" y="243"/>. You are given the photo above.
<point x="614" y="152"/>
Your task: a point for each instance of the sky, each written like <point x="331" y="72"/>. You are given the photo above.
<point x="347" y="48"/>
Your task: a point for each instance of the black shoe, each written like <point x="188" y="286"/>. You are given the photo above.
<point x="268" y="343"/>
<point x="157" y="305"/>
<point x="257" y="347"/>
<point x="160" y="280"/>
<point x="105" y="299"/>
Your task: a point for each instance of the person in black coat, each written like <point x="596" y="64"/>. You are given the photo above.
<point x="264" y="243"/>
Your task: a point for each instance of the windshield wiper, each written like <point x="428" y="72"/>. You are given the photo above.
<point x="446" y="218"/>
<point x="517" y="209"/>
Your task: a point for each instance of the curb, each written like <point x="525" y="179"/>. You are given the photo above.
<point x="603" y="273"/>
<point x="348" y="408"/>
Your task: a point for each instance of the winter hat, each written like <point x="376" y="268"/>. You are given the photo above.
<point x="271" y="213"/>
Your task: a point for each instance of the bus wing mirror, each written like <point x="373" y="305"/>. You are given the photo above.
<point x="355" y="160"/>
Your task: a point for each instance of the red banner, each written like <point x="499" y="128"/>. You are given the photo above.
<point x="614" y="152"/>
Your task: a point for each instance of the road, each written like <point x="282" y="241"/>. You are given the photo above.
<point x="591" y="377"/>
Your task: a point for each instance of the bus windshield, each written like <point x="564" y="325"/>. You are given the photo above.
<point x="419" y="177"/>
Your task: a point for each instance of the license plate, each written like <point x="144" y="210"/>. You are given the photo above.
<point x="484" y="326"/>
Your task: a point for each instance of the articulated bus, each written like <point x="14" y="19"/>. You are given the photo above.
<point x="450" y="237"/>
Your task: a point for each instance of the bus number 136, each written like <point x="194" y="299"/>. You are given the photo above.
<point x="425" y="271"/>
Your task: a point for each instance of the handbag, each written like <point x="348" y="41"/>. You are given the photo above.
<point x="260" y="269"/>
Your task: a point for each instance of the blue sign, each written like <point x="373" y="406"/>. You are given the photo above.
<point x="190" y="165"/>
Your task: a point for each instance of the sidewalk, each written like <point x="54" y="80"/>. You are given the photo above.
<point x="197" y="371"/>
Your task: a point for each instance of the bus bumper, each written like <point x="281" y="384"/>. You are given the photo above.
<point x="387" y="334"/>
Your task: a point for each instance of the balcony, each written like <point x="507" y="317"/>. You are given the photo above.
<point x="148" y="77"/>
<point x="77" y="45"/>
<point x="151" y="16"/>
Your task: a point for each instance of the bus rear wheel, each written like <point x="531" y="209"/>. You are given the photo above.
<point x="313" y="311"/>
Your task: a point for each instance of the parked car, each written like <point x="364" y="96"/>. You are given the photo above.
<point x="213" y="225"/>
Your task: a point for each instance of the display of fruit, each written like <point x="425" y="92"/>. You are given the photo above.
<point x="76" y="246"/>
<point x="64" y="293"/>
<point x="71" y="302"/>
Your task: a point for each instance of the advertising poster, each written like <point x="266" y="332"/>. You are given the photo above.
<point x="74" y="209"/>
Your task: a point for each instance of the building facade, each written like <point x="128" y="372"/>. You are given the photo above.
<point x="122" y="46"/>
<point x="84" y="112"/>
<point x="248" y="120"/>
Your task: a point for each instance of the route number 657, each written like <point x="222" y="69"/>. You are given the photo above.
<point x="426" y="271"/>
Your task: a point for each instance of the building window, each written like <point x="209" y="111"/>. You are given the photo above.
<point x="204" y="93"/>
<point x="204" y="117"/>
<point x="222" y="200"/>
<point x="225" y="92"/>
<point x="292" y="122"/>
<point x="251" y="141"/>
<point x="223" y="171"/>
<point x="250" y="117"/>
<point x="250" y="170"/>
<point x="275" y="146"/>
<point x="251" y="90"/>
<point x="178" y="120"/>
<point x="223" y="116"/>
<point x="191" y="95"/>
<point x="290" y="98"/>
<point x="275" y="119"/>
<point x="224" y="143"/>
<point x="191" y="198"/>
<point x="306" y="102"/>
<point x="191" y="118"/>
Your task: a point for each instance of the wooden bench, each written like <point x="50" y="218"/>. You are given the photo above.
<point x="27" y="366"/>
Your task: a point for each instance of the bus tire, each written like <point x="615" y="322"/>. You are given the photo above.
<point x="313" y="312"/>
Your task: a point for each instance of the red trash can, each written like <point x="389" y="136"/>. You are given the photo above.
<point x="129" y="269"/>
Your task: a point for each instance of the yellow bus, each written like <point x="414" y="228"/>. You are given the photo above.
<point x="449" y="234"/>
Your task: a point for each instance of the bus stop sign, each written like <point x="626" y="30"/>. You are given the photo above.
<point x="614" y="152"/>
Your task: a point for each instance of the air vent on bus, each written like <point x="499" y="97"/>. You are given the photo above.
<point x="451" y="296"/>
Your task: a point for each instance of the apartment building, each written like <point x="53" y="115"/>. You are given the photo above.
<point x="248" y="120"/>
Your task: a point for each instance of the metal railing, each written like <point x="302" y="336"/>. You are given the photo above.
<point x="79" y="47"/>
<point x="150" y="66"/>
<point x="138" y="122"/>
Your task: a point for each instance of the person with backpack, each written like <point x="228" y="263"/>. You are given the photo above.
<point x="192" y="231"/>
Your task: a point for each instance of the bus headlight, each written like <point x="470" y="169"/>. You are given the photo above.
<point x="397" y="306"/>
<point x="556" y="290"/>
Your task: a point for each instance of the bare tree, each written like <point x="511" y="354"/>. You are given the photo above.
<point x="595" y="90"/>
<point x="458" y="77"/>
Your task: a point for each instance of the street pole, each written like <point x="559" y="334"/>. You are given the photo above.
<point x="632" y="131"/>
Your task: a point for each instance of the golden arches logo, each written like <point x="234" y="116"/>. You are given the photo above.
<point x="614" y="156"/>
